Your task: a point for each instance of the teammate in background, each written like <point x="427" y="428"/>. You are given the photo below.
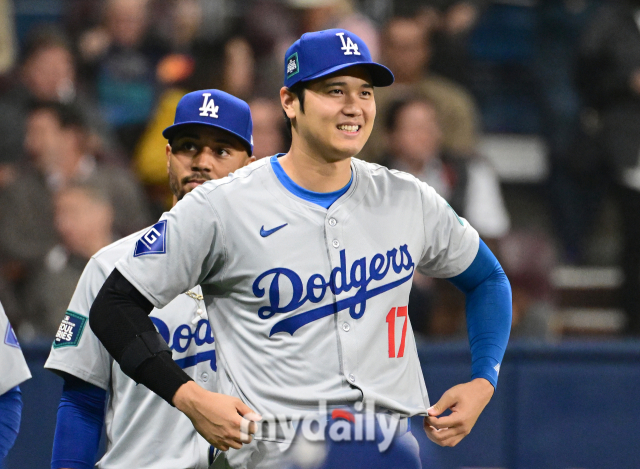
<point x="142" y="431"/>
<point x="13" y="371"/>
<point x="305" y="261"/>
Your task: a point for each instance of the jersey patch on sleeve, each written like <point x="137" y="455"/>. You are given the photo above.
<point x="153" y="241"/>
<point x="70" y="330"/>
<point x="10" y="337"/>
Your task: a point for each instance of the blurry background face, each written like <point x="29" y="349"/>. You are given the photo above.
<point x="416" y="137"/>
<point x="405" y="49"/>
<point x="268" y="136"/>
<point x="50" y="73"/>
<point x="43" y="138"/>
<point x="83" y="220"/>
<point x="127" y="21"/>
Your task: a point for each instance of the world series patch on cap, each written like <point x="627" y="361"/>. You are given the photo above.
<point x="214" y="108"/>
<point x="322" y="53"/>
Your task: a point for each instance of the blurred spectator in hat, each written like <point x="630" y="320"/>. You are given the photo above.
<point x="121" y="56"/>
<point x="610" y="84"/>
<point x="407" y="51"/>
<point x="83" y="218"/>
<point x="269" y="129"/>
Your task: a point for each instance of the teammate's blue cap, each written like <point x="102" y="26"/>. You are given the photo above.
<point x="317" y="54"/>
<point x="217" y="109"/>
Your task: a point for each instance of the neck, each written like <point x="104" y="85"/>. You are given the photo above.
<point x="315" y="173"/>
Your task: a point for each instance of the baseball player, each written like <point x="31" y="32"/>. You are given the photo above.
<point x="305" y="262"/>
<point x="142" y="431"/>
<point x="13" y="371"/>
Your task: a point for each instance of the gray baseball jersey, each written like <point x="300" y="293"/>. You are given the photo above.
<point x="13" y="367"/>
<point x="143" y="431"/>
<point x="310" y="303"/>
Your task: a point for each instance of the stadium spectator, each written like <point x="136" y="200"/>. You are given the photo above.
<point x="406" y="51"/>
<point x="56" y="143"/>
<point x="120" y="57"/>
<point x="269" y="130"/>
<point x="610" y="82"/>
<point x="414" y="143"/>
<point x="47" y="72"/>
<point x="83" y="220"/>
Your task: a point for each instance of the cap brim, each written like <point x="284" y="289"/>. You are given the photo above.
<point x="172" y="129"/>
<point x="380" y="75"/>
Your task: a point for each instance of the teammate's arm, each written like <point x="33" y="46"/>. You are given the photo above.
<point x="78" y="425"/>
<point x="10" y="413"/>
<point x="120" y="319"/>
<point x="488" y="306"/>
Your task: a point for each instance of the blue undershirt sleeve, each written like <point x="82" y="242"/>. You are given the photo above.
<point x="10" y="411"/>
<point x="79" y="425"/>
<point x="488" y="305"/>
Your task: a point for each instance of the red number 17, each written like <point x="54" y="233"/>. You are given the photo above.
<point x="391" y="321"/>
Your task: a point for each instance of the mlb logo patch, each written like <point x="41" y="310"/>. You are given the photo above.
<point x="70" y="330"/>
<point x="10" y="337"/>
<point x="292" y="65"/>
<point x="153" y="241"/>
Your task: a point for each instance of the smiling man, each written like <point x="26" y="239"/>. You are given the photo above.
<point x="142" y="430"/>
<point x="305" y="261"/>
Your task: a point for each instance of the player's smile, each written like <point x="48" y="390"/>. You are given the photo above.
<point x="349" y="129"/>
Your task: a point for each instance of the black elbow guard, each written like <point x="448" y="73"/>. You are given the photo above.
<point x="119" y="317"/>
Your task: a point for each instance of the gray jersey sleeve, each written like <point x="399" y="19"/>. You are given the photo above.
<point x="13" y="367"/>
<point x="451" y="243"/>
<point x="182" y="250"/>
<point x="76" y="350"/>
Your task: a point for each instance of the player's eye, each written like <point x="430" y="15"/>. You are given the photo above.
<point x="223" y="152"/>
<point x="336" y="91"/>
<point x="187" y="147"/>
<point x="367" y="93"/>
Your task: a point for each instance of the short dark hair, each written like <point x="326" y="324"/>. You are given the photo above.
<point x="394" y="109"/>
<point x="298" y="90"/>
<point x="44" y="37"/>
<point x="67" y="114"/>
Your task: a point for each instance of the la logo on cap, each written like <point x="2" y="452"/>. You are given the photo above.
<point x="349" y="47"/>
<point x="208" y="107"/>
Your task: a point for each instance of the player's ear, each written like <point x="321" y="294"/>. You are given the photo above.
<point x="287" y="99"/>
<point x="250" y="160"/>
<point x="168" y="151"/>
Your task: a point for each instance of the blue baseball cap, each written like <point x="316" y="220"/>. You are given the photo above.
<point x="317" y="54"/>
<point x="216" y="109"/>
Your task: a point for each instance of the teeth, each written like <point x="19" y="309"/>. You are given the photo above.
<point x="349" y="128"/>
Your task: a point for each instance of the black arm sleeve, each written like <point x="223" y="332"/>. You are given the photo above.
<point x="119" y="317"/>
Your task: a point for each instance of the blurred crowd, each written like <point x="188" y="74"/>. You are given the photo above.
<point x="87" y="86"/>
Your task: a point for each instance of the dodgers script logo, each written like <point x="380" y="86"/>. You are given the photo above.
<point x="208" y="107"/>
<point x="359" y="279"/>
<point x="349" y="47"/>
<point x="181" y="340"/>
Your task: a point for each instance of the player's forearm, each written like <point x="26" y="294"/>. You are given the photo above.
<point x="488" y="305"/>
<point x="120" y="319"/>
<point x="78" y="426"/>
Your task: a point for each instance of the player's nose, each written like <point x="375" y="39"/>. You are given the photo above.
<point x="203" y="161"/>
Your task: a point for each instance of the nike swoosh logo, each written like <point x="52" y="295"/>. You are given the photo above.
<point x="264" y="233"/>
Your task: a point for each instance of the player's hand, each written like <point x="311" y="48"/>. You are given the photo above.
<point x="224" y="421"/>
<point x="466" y="402"/>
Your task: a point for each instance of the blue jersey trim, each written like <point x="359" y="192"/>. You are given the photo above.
<point x="488" y="306"/>
<point x="324" y="199"/>
<point x="79" y="424"/>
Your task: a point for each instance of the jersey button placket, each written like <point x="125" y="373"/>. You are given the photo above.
<point x="346" y="327"/>
<point x="335" y="243"/>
